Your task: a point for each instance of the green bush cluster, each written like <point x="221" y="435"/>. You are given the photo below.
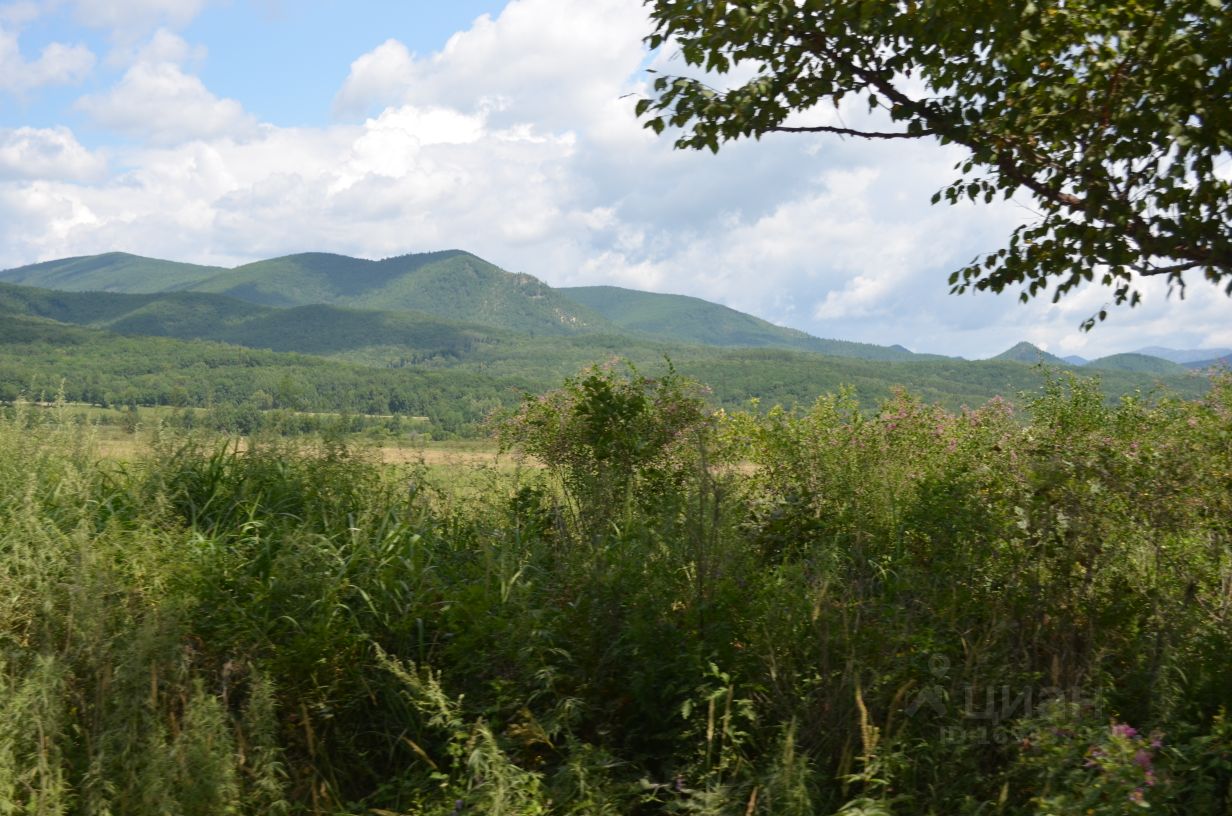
<point x="684" y="611"/>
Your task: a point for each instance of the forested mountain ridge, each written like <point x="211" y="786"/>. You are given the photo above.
<point x="452" y="285"/>
<point x="1140" y="363"/>
<point x="110" y="272"/>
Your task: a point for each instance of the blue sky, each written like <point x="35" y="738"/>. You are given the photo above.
<point x="277" y="56"/>
<point x="223" y="131"/>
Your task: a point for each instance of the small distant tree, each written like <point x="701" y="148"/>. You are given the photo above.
<point x="132" y="419"/>
<point x="1112" y="118"/>
<point x="614" y="441"/>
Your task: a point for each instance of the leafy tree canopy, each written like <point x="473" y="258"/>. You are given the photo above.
<point x="1115" y="118"/>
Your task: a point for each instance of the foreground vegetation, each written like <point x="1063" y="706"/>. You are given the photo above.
<point x="828" y="611"/>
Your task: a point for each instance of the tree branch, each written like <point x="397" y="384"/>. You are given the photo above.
<point x="865" y="134"/>
<point x="1008" y="167"/>
<point x="1145" y="270"/>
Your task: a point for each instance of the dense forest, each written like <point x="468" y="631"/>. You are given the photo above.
<point x="668" y="609"/>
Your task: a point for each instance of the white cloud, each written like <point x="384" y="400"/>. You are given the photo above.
<point x="162" y="46"/>
<point x="46" y="153"/>
<point x="557" y="64"/>
<point x="377" y="78"/>
<point x="160" y="103"/>
<point x="19" y="13"/>
<point x="57" y="64"/>
<point x="130" y="18"/>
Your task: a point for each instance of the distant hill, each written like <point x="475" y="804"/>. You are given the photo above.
<point x="1075" y="360"/>
<point x="111" y="272"/>
<point x="685" y="319"/>
<point x="1218" y="362"/>
<point x="1184" y="356"/>
<point x="1024" y="352"/>
<point x="1138" y="364"/>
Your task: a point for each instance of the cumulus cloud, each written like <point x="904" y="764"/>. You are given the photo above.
<point x="557" y="64"/>
<point x="160" y="103"/>
<point x="377" y="78"/>
<point x="46" y="153"/>
<point x="57" y="64"/>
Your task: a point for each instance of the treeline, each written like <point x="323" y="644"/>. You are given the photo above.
<point x="39" y="360"/>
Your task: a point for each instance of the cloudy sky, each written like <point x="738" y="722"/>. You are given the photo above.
<point x="224" y="131"/>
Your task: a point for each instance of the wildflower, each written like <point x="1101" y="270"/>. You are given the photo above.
<point x="1143" y="759"/>
<point x="1136" y="796"/>
<point x="1124" y="730"/>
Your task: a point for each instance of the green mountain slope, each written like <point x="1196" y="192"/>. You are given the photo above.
<point x="1138" y="363"/>
<point x="454" y="285"/>
<point x="323" y="330"/>
<point x="1024" y="352"/>
<point x="685" y="319"/>
<point x="111" y="272"/>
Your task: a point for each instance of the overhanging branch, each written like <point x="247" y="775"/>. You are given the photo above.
<point x="864" y="134"/>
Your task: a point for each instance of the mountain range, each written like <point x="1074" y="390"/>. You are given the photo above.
<point x="471" y="321"/>
<point x="451" y="285"/>
<point x="1153" y="360"/>
<point x="456" y="286"/>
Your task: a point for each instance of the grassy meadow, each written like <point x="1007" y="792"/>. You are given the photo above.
<point x="666" y="609"/>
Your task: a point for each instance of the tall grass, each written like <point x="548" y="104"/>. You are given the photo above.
<point x="804" y="612"/>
